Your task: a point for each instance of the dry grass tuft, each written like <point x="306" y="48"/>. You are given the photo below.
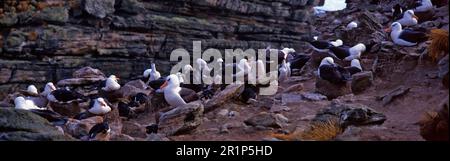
<point x="439" y="43"/>
<point x="318" y="131"/>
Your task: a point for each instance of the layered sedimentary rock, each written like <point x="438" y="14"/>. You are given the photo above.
<point x="47" y="40"/>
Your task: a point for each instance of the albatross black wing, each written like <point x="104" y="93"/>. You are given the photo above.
<point x="249" y="92"/>
<point x="398" y="12"/>
<point x="346" y="75"/>
<point x="331" y="74"/>
<point x="64" y="95"/>
<point x="140" y="98"/>
<point x="156" y="84"/>
<point x="124" y="109"/>
<point x="413" y="36"/>
<point x="299" y="61"/>
<point x="51" y="116"/>
<point x="101" y="84"/>
<point x="321" y="45"/>
<point x="188" y="95"/>
<point x="353" y="70"/>
<point x="98" y="128"/>
<point x="341" y="52"/>
<point x="153" y="128"/>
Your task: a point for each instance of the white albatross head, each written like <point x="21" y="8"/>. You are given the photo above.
<point x="112" y="83"/>
<point x="409" y="14"/>
<point x="180" y="77"/>
<point x="100" y="107"/>
<point x="22" y="104"/>
<point x="395" y="28"/>
<point x="153" y="67"/>
<point x="49" y="87"/>
<point x="19" y="102"/>
<point x="32" y="89"/>
<point x="356" y="63"/>
<point x="146" y="73"/>
<point x="244" y="65"/>
<point x="352" y="25"/>
<point x="327" y="61"/>
<point x="356" y="51"/>
<point x="220" y="60"/>
<point x="360" y="47"/>
<point x="188" y="68"/>
<point x="172" y="82"/>
<point x="337" y="43"/>
<point x="288" y="50"/>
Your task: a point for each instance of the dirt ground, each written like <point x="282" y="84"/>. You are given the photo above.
<point x="403" y="113"/>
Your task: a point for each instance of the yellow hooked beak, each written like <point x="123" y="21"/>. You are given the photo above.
<point x="417" y="18"/>
<point x="164" y="85"/>
<point x="388" y="30"/>
<point x="102" y="103"/>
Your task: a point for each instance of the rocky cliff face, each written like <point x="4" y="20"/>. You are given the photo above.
<point x="47" y="40"/>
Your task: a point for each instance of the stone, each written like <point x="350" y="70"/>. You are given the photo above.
<point x="317" y="57"/>
<point x="158" y="102"/>
<point x="434" y="124"/>
<point x="223" y="97"/>
<point x="331" y="90"/>
<point x="214" y="130"/>
<point x="8" y="19"/>
<point x="122" y="137"/>
<point x="432" y="75"/>
<point x="69" y="109"/>
<point x="99" y="8"/>
<point x="290" y="99"/>
<point x="114" y="120"/>
<point x="371" y="133"/>
<point x="307" y="118"/>
<point x="231" y="125"/>
<point x="281" y="119"/>
<point x="313" y="96"/>
<point x="156" y="137"/>
<point x="224" y="129"/>
<point x="130" y="90"/>
<point x="80" y="128"/>
<point x="350" y="115"/>
<point x="88" y="72"/>
<point x="54" y="14"/>
<point x="387" y="44"/>
<point x="296" y="79"/>
<point x="131" y="6"/>
<point x="443" y="66"/>
<point x="181" y="120"/>
<point x="264" y="119"/>
<point x="294" y="88"/>
<point x="138" y="84"/>
<point x="29" y="76"/>
<point x="279" y="109"/>
<point x="233" y="114"/>
<point x="21" y="125"/>
<point x="223" y="113"/>
<point x="392" y="95"/>
<point x="15" y="41"/>
<point x="5" y="75"/>
<point x="361" y="81"/>
<point x="133" y="129"/>
<point x="78" y="82"/>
